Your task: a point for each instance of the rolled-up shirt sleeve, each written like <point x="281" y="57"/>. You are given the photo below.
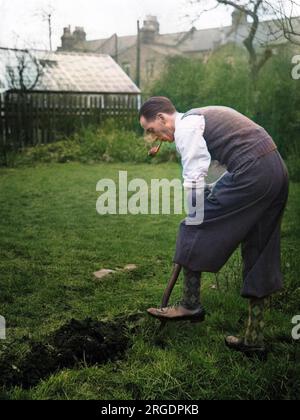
<point x="192" y="147"/>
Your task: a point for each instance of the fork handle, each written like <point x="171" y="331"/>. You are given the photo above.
<point x="174" y="277"/>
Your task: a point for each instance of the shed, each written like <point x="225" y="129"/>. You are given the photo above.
<point x="46" y="94"/>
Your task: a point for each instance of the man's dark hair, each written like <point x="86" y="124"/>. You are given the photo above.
<point x="154" y="106"/>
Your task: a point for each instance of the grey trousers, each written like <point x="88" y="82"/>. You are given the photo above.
<point x="244" y="208"/>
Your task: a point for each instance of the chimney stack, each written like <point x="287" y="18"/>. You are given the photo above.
<point x="67" y="40"/>
<point x="73" y="41"/>
<point x="150" y="29"/>
<point x="79" y="34"/>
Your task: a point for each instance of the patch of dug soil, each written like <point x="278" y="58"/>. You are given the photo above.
<point x="88" y="341"/>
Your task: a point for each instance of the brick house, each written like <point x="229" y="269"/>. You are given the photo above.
<point x="156" y="47"/>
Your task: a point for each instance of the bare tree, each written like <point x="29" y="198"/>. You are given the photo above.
<point x="284" y="12"/>
<point x="24" y="71"/>
<point x="281" y="23"/>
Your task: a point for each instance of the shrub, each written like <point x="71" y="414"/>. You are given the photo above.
<point x="293" y="164"/>
<point x="94" y="144"/>
<point x="224" y="79"/>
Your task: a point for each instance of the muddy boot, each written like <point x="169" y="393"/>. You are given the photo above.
<point x="178" y="313"/>
<point x="253" y="342"/>
<point x="189" y="308"/>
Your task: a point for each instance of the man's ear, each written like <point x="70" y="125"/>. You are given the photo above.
<point x="161" y="117"/>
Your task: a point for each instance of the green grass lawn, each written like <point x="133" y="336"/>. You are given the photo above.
<point x="52" y="240"/>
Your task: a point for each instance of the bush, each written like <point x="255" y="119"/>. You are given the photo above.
<point x="61" y="151"/>
<point x="94" y="144"/>
<point x="224" y="79"/>
<point x="293" y="164"/>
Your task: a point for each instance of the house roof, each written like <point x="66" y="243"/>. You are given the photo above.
<point x="164" y="50"/>
<point x="202" y="40"/>
<point x="268" y="33"/>
<point x="70" y="71"/>
<point x="198" y="40"/>
<point x="124" y="43"/>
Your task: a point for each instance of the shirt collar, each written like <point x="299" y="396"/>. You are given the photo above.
<point x="178" y="118"/>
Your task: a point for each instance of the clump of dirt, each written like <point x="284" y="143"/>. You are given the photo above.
<point x="87" y="342"/>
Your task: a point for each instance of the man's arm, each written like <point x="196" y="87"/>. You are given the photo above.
<point x="196" y="160"/>
<point x="191" y="145"/>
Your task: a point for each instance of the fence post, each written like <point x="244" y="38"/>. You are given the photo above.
<point x="31" y="118"/>
<point x="2" y="131"/>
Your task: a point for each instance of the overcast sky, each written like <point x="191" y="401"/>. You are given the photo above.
<point x="22" y="24"/>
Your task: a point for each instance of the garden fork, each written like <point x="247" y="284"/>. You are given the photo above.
<point x="166" y="297"/>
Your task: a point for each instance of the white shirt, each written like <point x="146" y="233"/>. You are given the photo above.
<point x="192" y="147"/>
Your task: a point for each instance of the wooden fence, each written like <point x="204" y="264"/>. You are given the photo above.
<point x="32" y="118"/>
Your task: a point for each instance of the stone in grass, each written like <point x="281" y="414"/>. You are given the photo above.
<point x="99" y="275"/>
<point x="130" y="267"/>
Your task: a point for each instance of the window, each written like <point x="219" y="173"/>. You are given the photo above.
<point x="150" y="68"/>
<point x="48" y="63"/>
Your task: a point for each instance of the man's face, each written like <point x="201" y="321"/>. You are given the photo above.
<point x="162" y="128"/>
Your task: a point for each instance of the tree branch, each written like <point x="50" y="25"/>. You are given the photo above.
<point x="25" y="61"/>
